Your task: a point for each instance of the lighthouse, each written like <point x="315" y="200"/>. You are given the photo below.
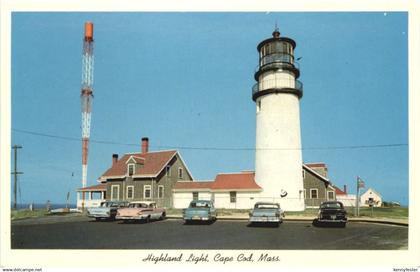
<point x="278" y="155"/>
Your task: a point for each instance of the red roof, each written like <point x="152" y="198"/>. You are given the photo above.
<point x="99" y="187"/>
<point x="234" y="181"/>
<point x="338" y="191"/>
<point x="150" y="164"/>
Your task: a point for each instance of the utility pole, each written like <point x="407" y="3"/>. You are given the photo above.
<point x="15" y="173"/>
<point x="360" y="184"/>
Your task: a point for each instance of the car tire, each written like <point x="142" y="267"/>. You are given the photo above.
<point x="187" y="222"/>
<point x="97" y="219"/>
<point x="147" y="220"/>
<point x="162" y="216"/>
<point x="342" y="225"/>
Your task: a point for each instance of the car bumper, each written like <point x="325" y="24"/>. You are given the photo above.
<point x="197" y="218"/>
<point x="99" y="216"/>
<point x="332" y="220"/>
<point x="256" y="219"/>
<point x="138" y="217"/>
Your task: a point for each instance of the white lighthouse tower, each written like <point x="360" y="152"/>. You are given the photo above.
<point x="278" y="158"/>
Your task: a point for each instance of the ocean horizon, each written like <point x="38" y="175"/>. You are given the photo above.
<point x="38" y="206"/>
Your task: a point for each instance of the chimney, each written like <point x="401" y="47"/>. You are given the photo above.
<point x="345" y="188"/>
<point x="114" y="159"/>
<point x="144" y="145"/>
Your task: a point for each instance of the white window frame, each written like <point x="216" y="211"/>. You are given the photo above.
<point x="314" y="189"/>
<point x="118" y="191"/>
<point x="147" y="187"/>
<point x="328" y="195"/>
<point x="180" y="173"/>
<point x="128" y="169"/>
<point x="163" y="191"/>
<point x="132" y="192"/>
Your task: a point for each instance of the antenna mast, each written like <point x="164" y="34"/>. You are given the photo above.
<point x="86" y="95"/>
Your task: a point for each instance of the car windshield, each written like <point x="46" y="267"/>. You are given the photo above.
<point x="266" y="206"/>
<point x="105" y="204"/>
<point x="199" y="205"/>
<point x="331" y="205"/>
<point x="137" y="205"/>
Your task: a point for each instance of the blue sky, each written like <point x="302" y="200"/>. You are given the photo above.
<point x="184" y="80"/>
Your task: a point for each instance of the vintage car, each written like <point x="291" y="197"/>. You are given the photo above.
<point x="106" y="210"/>
<point x="141" y="210"/>
<point x="266" y="212"/>
<point x="331" y="213"/>
<point x="199" y="210"/>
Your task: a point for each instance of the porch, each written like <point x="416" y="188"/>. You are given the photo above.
<point x="91" y="196"/>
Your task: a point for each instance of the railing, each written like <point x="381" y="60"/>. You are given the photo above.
<point x="277" y="83"/>
<point x="89" y="203"/>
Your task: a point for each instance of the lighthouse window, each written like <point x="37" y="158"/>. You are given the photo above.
<point x="259" y="106"/>
<point x="267" y="49"/>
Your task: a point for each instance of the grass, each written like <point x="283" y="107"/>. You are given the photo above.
<point x="21" y="214"/>
<point x="381" y="212"/>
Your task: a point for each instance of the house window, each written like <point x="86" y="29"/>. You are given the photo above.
<point x="330" y="195"/>
<point x="195" y="195"/>
<point x="304" y="193"/>
<point x="180" y="173"/>
<point x="130" y="169"/>
<point x="168" y="171"/>
<point x="232" y="197"/>
<point x="160" y="191"/>
<point x="115" y="192"/>
<point x="303" y="173"/>
<point x="147" y="191"/>
<point x="130" y="192"/>
<point x="314" y="193"/>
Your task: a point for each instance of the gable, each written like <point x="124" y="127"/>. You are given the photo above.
<point x="152" y="164"/>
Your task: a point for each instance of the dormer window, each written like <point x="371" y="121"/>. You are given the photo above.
<point x="130" y="169"/>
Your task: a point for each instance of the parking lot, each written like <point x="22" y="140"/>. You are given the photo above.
<point x="84" y="233"/>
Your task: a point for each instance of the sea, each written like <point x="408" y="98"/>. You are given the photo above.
<point x="39" y="206"/>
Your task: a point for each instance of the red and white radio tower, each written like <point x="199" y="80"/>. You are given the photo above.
<point x="86" y="95"/>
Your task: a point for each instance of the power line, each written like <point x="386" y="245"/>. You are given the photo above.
<point x="213" y="148"/>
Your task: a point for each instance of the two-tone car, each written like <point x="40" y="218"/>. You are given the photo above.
<point x="106" y="210"/>
<point x="331" y="213"/>
<point x="199" y="210"/>
<point x="266" y="212"/>
<point x="141" y="210"/>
